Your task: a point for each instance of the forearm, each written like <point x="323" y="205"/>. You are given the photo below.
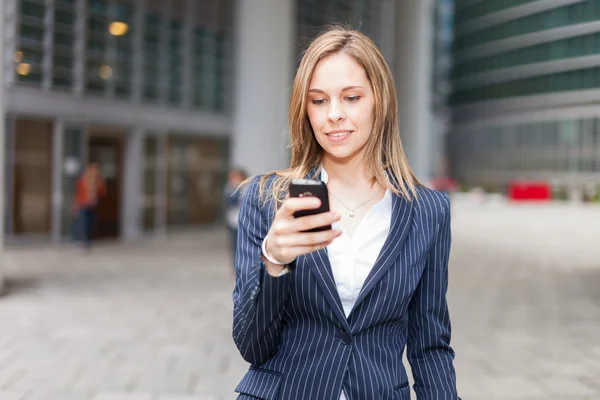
<point x="258" y="311"/>
<point x="429" y="352"/>
<point x="433" y="372"/>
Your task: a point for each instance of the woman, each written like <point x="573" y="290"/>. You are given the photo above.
<point x="90" y="186"/>
<point x="327" y="315"/>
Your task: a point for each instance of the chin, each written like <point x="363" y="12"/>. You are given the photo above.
<point x="340" y="154"/>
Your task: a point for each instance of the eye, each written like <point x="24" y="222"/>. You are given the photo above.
<point x="318" y="101"/>
<point x="353" y="99"/>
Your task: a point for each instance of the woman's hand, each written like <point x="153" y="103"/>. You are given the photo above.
<point x="285" y="239"/>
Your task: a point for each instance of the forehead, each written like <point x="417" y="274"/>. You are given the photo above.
<point x="337" y="71"/>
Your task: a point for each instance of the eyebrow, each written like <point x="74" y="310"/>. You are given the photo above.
<point x="343" y="90"/>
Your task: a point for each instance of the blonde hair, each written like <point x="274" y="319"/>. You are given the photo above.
<point x="383" y="150"/>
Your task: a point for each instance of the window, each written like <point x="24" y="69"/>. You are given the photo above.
<point x="561" y="49"/>
<point x="485" y="7"/>
<point x="581" y="12"/>
<point x="313" y="15"/>
<point x="122" y="12"/>
<point x="98" y="69"/>
<point x="564" y="81"/>
<point x="63" y="45"/>
<point x="152" y="55"/>
<point x="175" y="61"/>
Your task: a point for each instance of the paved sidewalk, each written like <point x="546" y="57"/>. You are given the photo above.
<point x="152" y="321"/>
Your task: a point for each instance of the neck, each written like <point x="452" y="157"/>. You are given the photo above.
<point x="352" y="173"/>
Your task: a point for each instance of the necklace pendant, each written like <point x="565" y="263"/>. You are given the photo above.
<point x="351" y="213"/>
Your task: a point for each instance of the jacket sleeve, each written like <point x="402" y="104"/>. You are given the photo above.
<point x="258" y="298"/>
<point x="428" y="344"/>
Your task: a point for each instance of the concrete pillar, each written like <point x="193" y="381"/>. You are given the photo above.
<point x="387" y="27"/>
<point x="2" y="144"/>
<point x="57" y="181"/>
<point x="132" y="185"/>
<point x="413" y="66"/>
<point x="264" y="54"/>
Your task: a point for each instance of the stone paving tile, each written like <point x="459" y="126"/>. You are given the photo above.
<point x="152" y="321"/>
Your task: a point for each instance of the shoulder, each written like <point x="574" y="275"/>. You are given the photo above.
<point x="432" y="204"/>
<point x="258" y="188"/>
<point x="257" y="200"/>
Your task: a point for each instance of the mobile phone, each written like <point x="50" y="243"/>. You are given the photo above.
<point x="309" y="187"/>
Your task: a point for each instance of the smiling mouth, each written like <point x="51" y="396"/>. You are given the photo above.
<point x="338" y="133"/>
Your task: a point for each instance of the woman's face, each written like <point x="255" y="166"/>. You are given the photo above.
<point x="340" y="107"/>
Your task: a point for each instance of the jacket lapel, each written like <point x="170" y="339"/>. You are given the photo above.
<point x="321" y="269"/>
<point x="400" y="225"/>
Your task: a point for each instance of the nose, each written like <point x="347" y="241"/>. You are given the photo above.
<point x="336" y="112"/>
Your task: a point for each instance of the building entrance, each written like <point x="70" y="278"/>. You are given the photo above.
<point x="105" y="147"/>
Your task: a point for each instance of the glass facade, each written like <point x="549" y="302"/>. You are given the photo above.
<point x="47" y="55"/>
<point x="363" y="15"/>
<point x="588" y="78"/>
<point x="63" y="44"/>
<point x="31" y="30"/>
<point x="495" y="154"/>
<point x="580" y="46"/>
<point x="578" y="78"/>
<point x="485" y="7"/>
<point x="577" y="13"/>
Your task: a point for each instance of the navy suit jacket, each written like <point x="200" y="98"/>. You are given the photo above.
<point x="293" y="330"/>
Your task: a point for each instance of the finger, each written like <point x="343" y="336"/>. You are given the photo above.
<point x="306" y="238"/>
<point x="293" y="204"/>
<point x="309" y="222"/>
<point x="290" y="225"/>
<point x="297" y="251"/>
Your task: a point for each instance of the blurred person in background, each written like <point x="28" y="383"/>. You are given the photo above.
<point x="233" y="201"/>
<point x="90" y="187"/>
<point x="327" y="315"/>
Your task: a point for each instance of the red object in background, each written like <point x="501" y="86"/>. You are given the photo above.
<point x="529" y="190"/>
<point x="444" y="184"/>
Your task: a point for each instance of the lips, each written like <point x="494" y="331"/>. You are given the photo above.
<point x="338" y="133"/>
<point x="338" y="136"/>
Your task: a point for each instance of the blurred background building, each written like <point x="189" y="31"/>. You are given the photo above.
<point x="167" y="95"/>
<point x="526" y="84"/>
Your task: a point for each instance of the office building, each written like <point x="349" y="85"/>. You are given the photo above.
<point x="526" y="84"/>
<point x="166" y="95"/>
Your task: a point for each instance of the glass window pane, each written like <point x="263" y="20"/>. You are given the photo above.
<point x="32" y="9"/>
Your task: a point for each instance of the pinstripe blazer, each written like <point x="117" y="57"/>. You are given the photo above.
<point x="293" y="330"/>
